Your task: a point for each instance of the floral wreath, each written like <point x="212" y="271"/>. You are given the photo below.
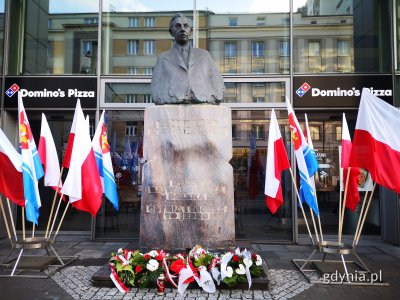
<point x="133" y="268"/>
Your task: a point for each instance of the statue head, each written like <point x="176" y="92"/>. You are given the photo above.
<point x="180" y="29"/>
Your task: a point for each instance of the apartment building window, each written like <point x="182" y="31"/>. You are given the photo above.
<point x="50" y="24"/>
<point x="284" y="52"/>
<point x="131" y="98"/>
<point x="257" y="49"/>
<point x="133" y="71"/>
<point x="260" y="21"/>
<point x="258" y="92"/>
<point x="257" y="57"/>
<point x="133" y="22"/>
<point x="284" y="49"/>
<point x="148" y="71"/>
<point x="148" y="47"/>
<point x="230" y="94"/>
<point x="149" y="22"/>
<point x="314" y="49"/>
<point x="343" y="52"/>
<point x="259" y="131"/>
<point x="133" y="47"/>
<point x="49" y="49"/>
<point x="90" y="21"/>
<point x="314" y="55"/>
<point x="230" y="57"/>
<point x="233" y="21"/>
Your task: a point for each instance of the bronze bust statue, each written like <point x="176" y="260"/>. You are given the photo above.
<point x="183" y="74"/>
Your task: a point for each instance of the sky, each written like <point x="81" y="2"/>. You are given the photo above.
<point x="221" y="6"/>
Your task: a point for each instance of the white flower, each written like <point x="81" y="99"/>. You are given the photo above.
<point x="247" y="262"/>
<point x="259" y="260"/>
<point x="120" y="250"/>
<point x="153" y="253"/>
<point x="229" y="272"/>
<point x="241" y="270"/>
<point x="152" y="265"/>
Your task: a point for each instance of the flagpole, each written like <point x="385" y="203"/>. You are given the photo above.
<point x="55" y="215"/>
<point x="360" y="217"/>
<point x="5" y="220"/>
<point x="340" y="213"/>
<point x="365" y="215"/>
<point x="344" y="205"/>
<point x="54" y="202"/>
<point x="301" y="206"/>
<point x="61" y="221"/>
<point x="33" y="229"/>
<point x="315" y="226"/>
<point x="23" y="223"/>
<point x="12" y="219"/>
<point x="318" y="217"/>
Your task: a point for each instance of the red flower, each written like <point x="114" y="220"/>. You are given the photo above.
<point x="177" y="266"/>
<point x="159" y="257"/>
<point x="138" y="269"/>
<point x="254" y="256"/>
<point x="236" y="258"/>
<point x="146" y="256"/>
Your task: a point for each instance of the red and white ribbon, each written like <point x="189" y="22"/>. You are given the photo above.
<point x="117" y="281"/>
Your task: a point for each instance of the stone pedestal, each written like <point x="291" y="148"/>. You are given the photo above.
<point x="187" y="188"/>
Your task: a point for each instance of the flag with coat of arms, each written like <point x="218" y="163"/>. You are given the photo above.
<point x="32" y="169"/>
<point x="301" y="150"/>
<point x="102" y="153"/>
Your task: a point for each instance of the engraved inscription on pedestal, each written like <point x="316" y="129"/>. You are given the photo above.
<point x="187" y="191"/>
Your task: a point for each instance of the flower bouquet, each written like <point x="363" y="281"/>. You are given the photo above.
<point x="240" y="267"/>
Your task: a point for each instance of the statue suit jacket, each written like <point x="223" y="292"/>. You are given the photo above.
<point x="173" y="82"/>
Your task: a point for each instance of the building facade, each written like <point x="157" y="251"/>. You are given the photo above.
<point x="104" y="51"/>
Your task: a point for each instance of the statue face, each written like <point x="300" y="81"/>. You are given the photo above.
<point x="181" y="30"/>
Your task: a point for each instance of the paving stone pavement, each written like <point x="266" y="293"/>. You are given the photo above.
<point x="76" y="282"/>
<point x="73" y="282"/>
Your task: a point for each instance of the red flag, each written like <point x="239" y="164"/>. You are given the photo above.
<point x="71" y="138"/>
<point x="352" y="194"/>
<point x="376" y="144"/>
<point x="11" y="183"/>
<point x="83" y="184"/>
<point x="277" y="161"/>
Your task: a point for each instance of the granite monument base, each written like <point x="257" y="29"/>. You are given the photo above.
<point x="187" y="187"/>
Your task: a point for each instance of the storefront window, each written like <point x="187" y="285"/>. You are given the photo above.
<point x="56" y="37"/>
<point x="253" y="219"/>
<point x="125" y="135"/>
<point x="340" y="39"/>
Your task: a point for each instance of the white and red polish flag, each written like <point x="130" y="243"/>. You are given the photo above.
<point x="376" y="143"/>
<point x="48" y="155"/>
<point x="11" y="182"/>
<point x="83" y="185"/>
<point x="277" y="161"/>
<point x="352" y="194"/>
<point x="71" y="138"/>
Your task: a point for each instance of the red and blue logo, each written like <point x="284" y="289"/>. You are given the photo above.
<point x="301" y="91"/>
<point x="12" y="90"/>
